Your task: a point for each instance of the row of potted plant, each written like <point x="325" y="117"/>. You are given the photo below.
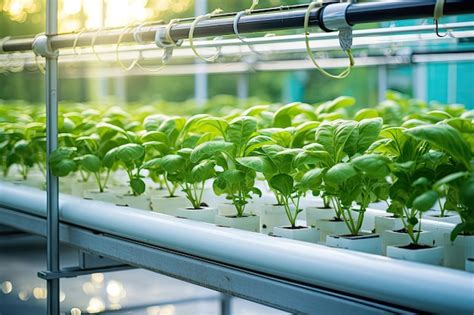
<point x="296" y="150"/>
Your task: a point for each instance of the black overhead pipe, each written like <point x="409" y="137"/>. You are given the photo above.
<point x="271" y="19"/>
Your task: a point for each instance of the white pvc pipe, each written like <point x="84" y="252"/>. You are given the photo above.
<point x="422" y="287"/>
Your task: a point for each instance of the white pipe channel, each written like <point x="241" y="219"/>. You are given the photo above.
<point x="412" y="285"/>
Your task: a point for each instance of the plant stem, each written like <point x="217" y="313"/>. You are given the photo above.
<point x="170" y="191"/>
<point x="337" y="208"/>
<point x="97" y="179"/>
<point x="107" y="176"/>
<point x="326" y="202"/>
<point x="442" y="208"/>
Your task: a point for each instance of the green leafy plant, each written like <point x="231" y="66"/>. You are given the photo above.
<point x="360" y="181"/>
<point x="190" y="176"/>
<point x="236" y="180"/>
<point x="130" y="156"/>
<point x="458" y="183"/>
<point x="164" y="136"/>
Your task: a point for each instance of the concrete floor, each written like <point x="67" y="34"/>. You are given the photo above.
<point x="123" y="292"/>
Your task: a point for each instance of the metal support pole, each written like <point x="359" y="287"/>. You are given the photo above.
<point x="382" y="82"/>
<point x="243" y="87"/>
<point x="51" y="144"/>
<point x="452" y="83"/>
<point x="226" y="304"/>
<point x="201" y="77"/>
<point x="420" y="82"/>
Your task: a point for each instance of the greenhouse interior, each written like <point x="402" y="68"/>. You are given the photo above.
<point x="169" y="157"/>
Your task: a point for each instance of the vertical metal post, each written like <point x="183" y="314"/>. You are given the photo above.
<point x="420" y="82"/>
<point x="243" y="87"/>
<point x="51" y="144"/>
<point x="201" y="77"/>
<point x="452" y="83"/>
<point x="382" y="82"/>
<point x="226" y="304"/>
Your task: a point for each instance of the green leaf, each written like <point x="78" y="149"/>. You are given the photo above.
<point x="110" y="158"/>
<point x="240" y="130"/>
<point x="445" y="138"/>
<point x="339" y="173"/>
<point x="91" y="163"/>
<point x="152" y="164"/>
<point x="450" y="178"/>
<point x="312" y="179"/>
<point x="22" y="148"/>
<point x="256" y="191"/>
<point x="282" y="183"/>
<point x="413" y="221"/>
<point x="369" y="130"/>
<point x="282" y="117"/>
<point x="425" y="201"/>
<point x="467" y="195"/>
<point x="312" y="158"/>
<point x="138" y="186"/>
<point x="172" y="163"/>
<point x="63" y="168"/>
<point x="213" y="124"/>
<point x="255" y="110"/>
<point x="203" y="171"/>
<point x="366" y="113"/>
<point x="336" y="104"/>
<point x="153" y="122"/>
<point x="155" y="146"/>
<point x="210" y="149"/>
<point x="233" y="176"/>
<point x="302" y="131"/>
<point x="259" y="164"/>
<point x="333" y="137"/>
<point x="130" y="152"/>
<point x="61" y="153"/>
<point x="256" y="143"/>
<point x="154" y="136"/>
<point x="464" y="227"/>
<point x="374" y="165"/>
<point x="104" y="127"/>
<point x="192" y="123"/>
<point x="457" y="230"/>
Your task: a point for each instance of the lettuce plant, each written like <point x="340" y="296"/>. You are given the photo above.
<point x="190" y="176"/>
<point x="28" y="147"/>
<point x="450" y="139"/>
<point x="130" y="156"/>
<point x="164" y="136"/>
<point x="235" y="179"/>
<point x="336" y="142"/>
<point x="360" y="181"/>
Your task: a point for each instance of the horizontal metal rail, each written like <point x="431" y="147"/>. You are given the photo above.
<point x="356" y="13"/>
<point x="284" y="274"/>
<point x="384" y="37"/>
<point x="256" y="287"/>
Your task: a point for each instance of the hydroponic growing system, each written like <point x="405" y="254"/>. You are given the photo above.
<point x="301" y="209"/>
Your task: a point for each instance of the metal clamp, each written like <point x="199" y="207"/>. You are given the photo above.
<point x="42" y="47"/>
<point x="162" y="38"/>
<point x="334" y="16"/>
<point x="2" y="41"/>
<point x="334" y="19"/>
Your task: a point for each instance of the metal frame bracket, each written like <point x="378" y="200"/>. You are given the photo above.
<point x="162" y="42"/>
<point x="333" y="18"/>
<point x="42" y="47"/>
<point x="72" y="272"/>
